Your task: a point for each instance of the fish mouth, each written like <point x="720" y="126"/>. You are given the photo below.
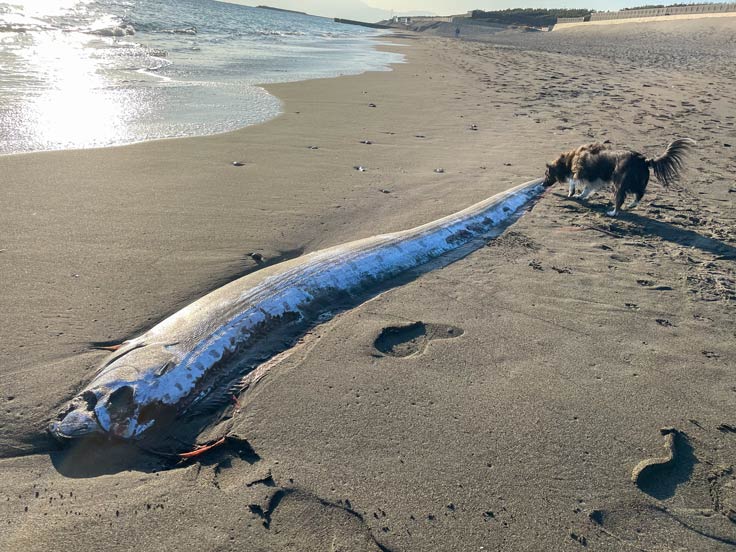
<point x="78" y="420"/>
<point x="75" y="425"/>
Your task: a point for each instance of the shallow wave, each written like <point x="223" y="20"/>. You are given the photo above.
<point x="115" y="31"/>
<point x="185" y="31"/>
<point x="147" y="69"/>
<point x="270" y="32"/>
<point x="18" y="23"/>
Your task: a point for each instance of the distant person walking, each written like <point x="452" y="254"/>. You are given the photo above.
<point x="457" y="32"/>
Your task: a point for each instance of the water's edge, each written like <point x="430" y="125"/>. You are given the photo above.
<point x="265" y="87"/>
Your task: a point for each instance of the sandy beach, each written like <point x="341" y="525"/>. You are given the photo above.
<point x="578" y="337"/>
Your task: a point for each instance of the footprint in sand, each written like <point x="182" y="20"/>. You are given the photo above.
<point x="620" y="258"/>
<point x="659" y="477"/>
<point x="412" y="339"/>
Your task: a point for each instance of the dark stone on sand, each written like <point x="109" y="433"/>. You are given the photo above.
<point x="579" y="538"/>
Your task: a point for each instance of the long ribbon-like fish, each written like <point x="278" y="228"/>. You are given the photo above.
<point x="184" y="363"/>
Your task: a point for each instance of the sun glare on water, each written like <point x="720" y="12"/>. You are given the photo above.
<point x="68" y="100"/>
<point x="35" y="8"/>
<point x="74" y="110"/>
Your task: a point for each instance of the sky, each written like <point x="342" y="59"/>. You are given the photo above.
<point x="374" y="10"/>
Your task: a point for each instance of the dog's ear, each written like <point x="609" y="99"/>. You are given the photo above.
<point x="549" y="165"/>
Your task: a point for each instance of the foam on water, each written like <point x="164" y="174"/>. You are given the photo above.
<point x="89" y="73"/>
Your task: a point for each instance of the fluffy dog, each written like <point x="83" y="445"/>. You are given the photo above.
<point x="593" y="166"/>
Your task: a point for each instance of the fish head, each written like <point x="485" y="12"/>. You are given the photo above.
<point x="106" y="410"/>
<point x="117" y="403"/>
<point x="77" y="419"/>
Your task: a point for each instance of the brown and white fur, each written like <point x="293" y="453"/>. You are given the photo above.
<point x="591" y="167"/>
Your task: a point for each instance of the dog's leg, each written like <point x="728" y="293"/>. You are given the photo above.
<point x="635" y="203"/>
<point x="591" y="188"/>
<point x="582" y="185"/>
<point x="571" y="187"/>
<point x="587" y="192"/>
<point x="618" y="200"/>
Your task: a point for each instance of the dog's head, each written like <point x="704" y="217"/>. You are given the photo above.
<point x="557" y="171"/>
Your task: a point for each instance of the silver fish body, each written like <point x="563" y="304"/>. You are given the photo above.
<point x="173" y="368"/>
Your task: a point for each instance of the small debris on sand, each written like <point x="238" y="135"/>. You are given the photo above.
<point x="359" y="168"/>
<point x="238" y="163"/>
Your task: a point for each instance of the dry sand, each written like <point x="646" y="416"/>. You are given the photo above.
<point x="578" y="336"/>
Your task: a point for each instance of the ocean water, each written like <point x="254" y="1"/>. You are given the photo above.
<point x="90" y="73"/>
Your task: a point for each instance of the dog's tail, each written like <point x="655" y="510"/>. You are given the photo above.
<point x="667" y="167"/>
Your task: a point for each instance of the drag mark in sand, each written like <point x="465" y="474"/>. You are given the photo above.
<point x="163" y="383"/>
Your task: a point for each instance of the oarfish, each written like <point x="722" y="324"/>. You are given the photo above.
<point x="186" y="362"/>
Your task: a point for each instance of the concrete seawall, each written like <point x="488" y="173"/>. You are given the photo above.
<point x="655" y="19"/>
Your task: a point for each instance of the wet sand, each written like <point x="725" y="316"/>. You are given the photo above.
<point x="575" y="338"/>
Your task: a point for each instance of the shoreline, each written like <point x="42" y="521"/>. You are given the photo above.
<point x="575" y="337"/>
<point x="372" y="44"/>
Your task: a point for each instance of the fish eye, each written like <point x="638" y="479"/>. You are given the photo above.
<point x="91" y="399"/>
<point x="120" y="401"/>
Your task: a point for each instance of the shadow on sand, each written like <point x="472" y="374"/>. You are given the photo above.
<point x="95" y="457"/>
<point x="681" y="236"/>
<point x="661" y="481"/>
<point x="645" y="226"/>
